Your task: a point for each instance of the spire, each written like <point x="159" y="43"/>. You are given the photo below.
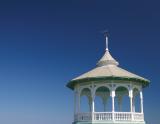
<point x="106" y="35"/>
<point x="107" y="59"/>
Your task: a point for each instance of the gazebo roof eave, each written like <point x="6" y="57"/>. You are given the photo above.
<point x="72" y="83"/>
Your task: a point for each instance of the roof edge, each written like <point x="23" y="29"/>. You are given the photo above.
<point x="72" y="83"/>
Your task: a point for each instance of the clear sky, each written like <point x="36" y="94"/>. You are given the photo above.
<point x="44" y="44"/>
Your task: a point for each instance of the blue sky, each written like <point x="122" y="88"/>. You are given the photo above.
<point x="44" y="44"/>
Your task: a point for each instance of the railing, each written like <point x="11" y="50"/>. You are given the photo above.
<point x="102" y="116"/>
<point x="138" y="116"/>
<point x="109" y="116"/>
<point x="83" y="117"/>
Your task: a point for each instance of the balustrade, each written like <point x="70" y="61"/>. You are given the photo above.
<point x="108" y="116"/>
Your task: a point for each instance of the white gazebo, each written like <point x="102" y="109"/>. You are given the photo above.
<point x="108" y="81"/>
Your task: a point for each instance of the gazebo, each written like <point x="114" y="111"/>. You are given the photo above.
<point x="108" y="81"/>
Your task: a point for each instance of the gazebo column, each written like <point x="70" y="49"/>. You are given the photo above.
<point x="141" y="98"/>
<point x="113" y="108"/>
<point x="131" y="101"/>
<point x="78" y="101"/>
<point x="75" y="102"/>
<point x="92" y="98"/>
<point x="92" y="108"/>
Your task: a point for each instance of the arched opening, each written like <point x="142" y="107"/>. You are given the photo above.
<point x="85" y="101"/>
<point x="136" y="100"/>
<point x="122" y="101"/>
<point x="102" y="99"/>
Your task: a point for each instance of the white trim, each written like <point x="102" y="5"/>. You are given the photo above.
<point x="126" y="117"/>
<point x="141" y="98"/>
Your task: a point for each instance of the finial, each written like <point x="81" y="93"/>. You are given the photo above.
<point x="106" y="36"/>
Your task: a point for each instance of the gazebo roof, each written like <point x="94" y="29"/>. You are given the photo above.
<point x="107" y="69"/>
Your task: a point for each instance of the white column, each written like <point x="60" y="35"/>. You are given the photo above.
<point x="113" y="96"/>
<point x="112" y="103"/>
<point x="93" y="105"/>
<point x="131" y="98"/>
<point x="141" y="98"/>
<point x="75" y="101"/>
<point x="131" y="102"/>
<point x="93" y="97"/>
<point x="79" y="101"/>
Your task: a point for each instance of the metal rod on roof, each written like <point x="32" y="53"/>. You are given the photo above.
<point x="106" y="35"/>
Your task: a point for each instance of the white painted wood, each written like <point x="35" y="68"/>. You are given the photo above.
<point x="108" y="116"/>
<point x="141" y="98"/>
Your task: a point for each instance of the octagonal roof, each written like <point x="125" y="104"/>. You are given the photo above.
<point x="107" y="69"/>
